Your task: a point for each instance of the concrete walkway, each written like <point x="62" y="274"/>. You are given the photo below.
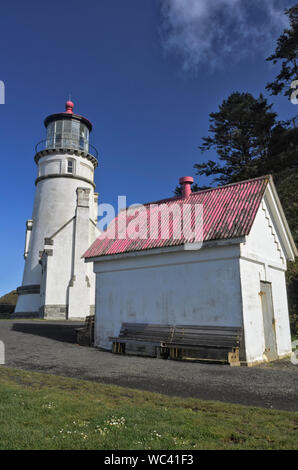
<point x="50" y="347"/>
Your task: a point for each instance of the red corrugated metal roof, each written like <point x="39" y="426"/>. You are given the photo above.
<point x="227" y="212"/>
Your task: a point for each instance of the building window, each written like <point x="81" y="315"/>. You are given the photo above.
<point x="70" y="166"/>
<point x="58" y="134"/>
<point x="67" y="133"/>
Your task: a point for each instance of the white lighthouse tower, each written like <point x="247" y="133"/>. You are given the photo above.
<point x="56" y="281"/>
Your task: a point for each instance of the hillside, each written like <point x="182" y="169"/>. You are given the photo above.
<point x="10" y="298"/>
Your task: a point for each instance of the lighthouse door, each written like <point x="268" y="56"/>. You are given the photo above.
<point x="268" y="321"/>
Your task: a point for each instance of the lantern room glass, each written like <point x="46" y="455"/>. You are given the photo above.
<point x="67" y="133"/>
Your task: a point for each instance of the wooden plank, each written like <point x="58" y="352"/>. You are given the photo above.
<point x="233" y="357"/>
<point x="135" y="341"/>
<point x="203" y="341"/>
<point x="199" y="353"/>
<point x="180" y="341"/>
<point x="141" y="349"/>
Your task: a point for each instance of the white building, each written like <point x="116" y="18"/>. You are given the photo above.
<point x="236" y="279"/>
<point x="56" y="281"/>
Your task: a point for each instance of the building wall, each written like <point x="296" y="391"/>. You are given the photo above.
<point x="186" y="287"/>
<point x="219" y="285"/>
<point x="81" y="289"/>
<point x="68" y="284"/>
<point x="57" y="164"/>
<point x="57" y="272"/>
<point x="55" y="205"/>
<point x="263" y="259"/>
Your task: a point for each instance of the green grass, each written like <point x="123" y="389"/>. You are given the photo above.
<point x="41" y="411"/>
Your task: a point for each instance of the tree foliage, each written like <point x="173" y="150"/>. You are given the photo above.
<point x="286" y="53"/>
<point x="251" y="142"/>
<point x="240" y="132"/>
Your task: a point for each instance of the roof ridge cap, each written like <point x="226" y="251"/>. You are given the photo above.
<point x="232" y="184"/>
<point x="178" y="198"/>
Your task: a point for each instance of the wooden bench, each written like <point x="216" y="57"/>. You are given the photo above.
<point x="141" y="338"/>
<point x="85" y="334"/>
<point x="180" y="342"/>
<point x="206" y="343"/>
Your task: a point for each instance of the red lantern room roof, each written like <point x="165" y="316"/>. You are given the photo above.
<point x="68" y="114"/>
<point x="69" y="107"/>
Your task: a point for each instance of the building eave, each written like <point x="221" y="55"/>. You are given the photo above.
<point x="272" y="199"/>
<point x="165" y="250"/>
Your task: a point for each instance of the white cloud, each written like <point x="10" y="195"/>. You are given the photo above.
<point x="215" y="31"/>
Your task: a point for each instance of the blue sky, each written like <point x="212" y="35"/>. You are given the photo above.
<point x="147" y="73"/>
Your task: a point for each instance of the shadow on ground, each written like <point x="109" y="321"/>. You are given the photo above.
<point x="55" y="331"/>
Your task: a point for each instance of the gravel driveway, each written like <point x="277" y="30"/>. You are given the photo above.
<point x="48" y="346"/>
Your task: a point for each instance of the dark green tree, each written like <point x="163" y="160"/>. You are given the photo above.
<point x="240" y="132"/>
<point x="281" y="154"/>
<point x="286" y="53"/>
<point x="250" y="143"/>
<point x="285" y="147"/>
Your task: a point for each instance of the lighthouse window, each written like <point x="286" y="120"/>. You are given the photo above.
<point x="67" y="127"/>
<point x="75" y="130"/>
<point x="84" y="136"/>
<point x="50" y="135"/>
<point x="70" y="166"/>
<point x="58" y="133"/>
<point x="67" y="134"/>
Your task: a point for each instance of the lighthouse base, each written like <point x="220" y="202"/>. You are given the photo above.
<point x="55" y="312"/>
<point x="28" y="303"/>
<point x="24" y="315"/>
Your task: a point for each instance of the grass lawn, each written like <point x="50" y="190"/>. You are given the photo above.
<point x="41" y="411"/>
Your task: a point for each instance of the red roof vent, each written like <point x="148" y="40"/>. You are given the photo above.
<point x="186" y="182"/>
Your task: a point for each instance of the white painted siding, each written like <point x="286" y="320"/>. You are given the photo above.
<point x="55" y="204"/>
<point x="263" y="259"/>
<point x="263" y="240"/>
<point x="251" y="275"/>
<point x="280" y="305"/>
<point x="59" y="267"/>
<point x="195" y="288"/>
